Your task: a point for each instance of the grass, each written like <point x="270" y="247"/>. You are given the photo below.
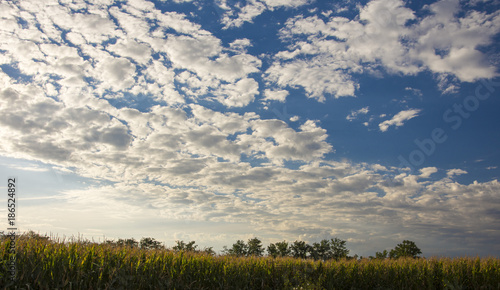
<point x="45" y="264"/>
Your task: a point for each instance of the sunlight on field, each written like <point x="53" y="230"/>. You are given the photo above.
<point x="42" y="263"/>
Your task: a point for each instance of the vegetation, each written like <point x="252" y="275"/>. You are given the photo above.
<point x="324" y="250"/>
<point x="405" y="249"/>
<point x="242" y="249"/>
<point x="46" y="264"/>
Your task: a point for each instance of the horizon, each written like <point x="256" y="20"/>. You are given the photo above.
<point x="215" y="121"/>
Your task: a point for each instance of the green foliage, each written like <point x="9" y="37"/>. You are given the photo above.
<point x="320" y="250"/>
<point x="182" y="246"/>
<point x="338" y="249"/>
<point x="280" y="249"/>
<point x="300" y="249"/>
<point x="255" y="247"/>
<point x="132" y="243"/>
<point x="191" y="247"/>
<point x="44" y="264"/>
<point x="272" y="250"/>
<point x="150" y="244"/>
<point x="31" y="235"/>
<point x="242" y="249"/>
<point x="239" y="249"/>
<point x="405" y="249"/>
<point x="327" y="249"/>
<point x="283" y="249"/>
<point x="381" y="255"/>
<point x="209" y="251"/>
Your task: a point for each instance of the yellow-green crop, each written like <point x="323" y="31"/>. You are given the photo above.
<point x="45" y="264"/>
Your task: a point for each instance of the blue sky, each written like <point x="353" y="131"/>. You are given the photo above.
<point x="371" y="121"/>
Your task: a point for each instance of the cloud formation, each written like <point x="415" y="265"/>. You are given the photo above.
<point x="325" y="52"/>
<point x="399" y="119"/>
<point x="138" y="98"/>
<point x="354" y="114"/>
<point x="237" y="13"/>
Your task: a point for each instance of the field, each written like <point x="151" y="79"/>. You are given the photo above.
<point x="44" y="264"/>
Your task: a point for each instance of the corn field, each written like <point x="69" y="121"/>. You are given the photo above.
<point x="45" y="264"/>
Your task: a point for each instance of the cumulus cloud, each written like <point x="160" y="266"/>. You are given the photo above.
<point x="237" y="13"/>
<point x="323" y="53"/>
<point x="140" y="53"/>
<point x="116" y="73"/>
<point x="237" y="16"/>
<point x="339" y="192"/>
<point x="399" y="119"/>
<point x="239" y="94"/>
<point x="307" y="144"/>
<point x="456" y="171"/>
<point x="427" y="172"/>
<point x="172" y="159"/>
<point x="318" y="77"/>
<point x="115" y="56"/>
<point x="279" y="95"/>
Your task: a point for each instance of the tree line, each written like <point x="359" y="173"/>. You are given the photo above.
<point x="326" y="249"/>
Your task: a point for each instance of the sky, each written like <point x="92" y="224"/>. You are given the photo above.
<point x="216" y="121"/>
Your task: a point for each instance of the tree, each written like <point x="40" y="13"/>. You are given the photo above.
<point x="405" y="249"/>
<point x="280" y="249"/>
<point x="283" y="249"/>
<point x="272" y="250"/>
<point x="381" y="255"/>
<point x="299" y="249"/>
<point x="338" y="248"/>
<point x="238" y="249"/>
<point x="150" y="243"/>
<point x="329" y="249"/>
<point x="255" y="247"/>
<point x="209" y="250"/>
<point x="32" y="235"/>
<point x="182" y="246"/>
<point x="320" y="251"/>
<point x="132" y="243"/>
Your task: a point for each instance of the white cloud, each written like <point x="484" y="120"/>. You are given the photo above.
<point x="240" y="45"/>
<point x="237" y="14"/>
<point x="318" y="77"/>
<point x="307" y="144"/>
<point x="278" y="95"/>
<point x="290" y="208"/>
<point x="94" y="28"/>
<point x="399" y="119"/>
<point x="354" y="114"/>
<point x="116" y="73"/>
<point x="239" y="94"/>
<point x="454" y="172"/>
<point x="196" y="54"/>
<point x="414" y="91"/>
<point x="141" y="53"/>
<point x="427" y="172"/>
<point x="174" y="162"/>
<point x="387" y="36"/>
<point x="286" y="3"/>
<point x="447" y="84"/>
